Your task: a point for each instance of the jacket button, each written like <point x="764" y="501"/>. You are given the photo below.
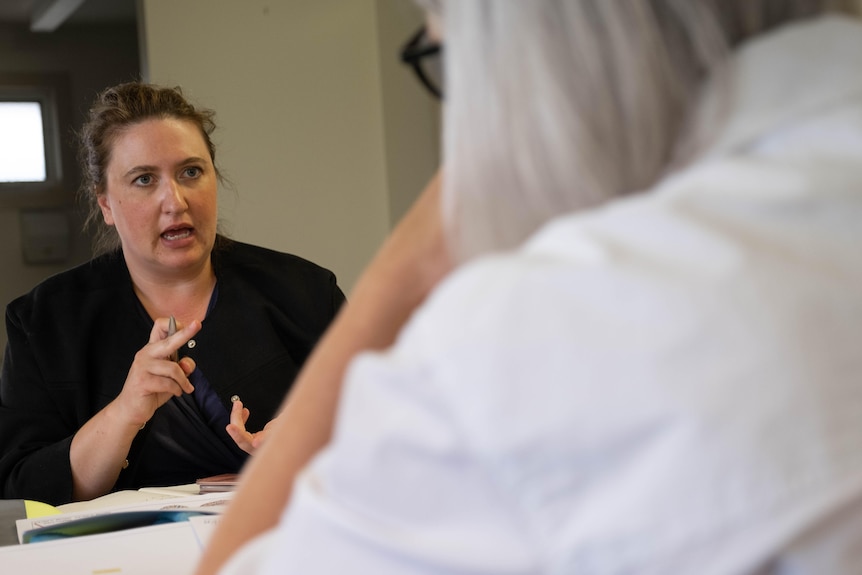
<point x="192" y="343"/>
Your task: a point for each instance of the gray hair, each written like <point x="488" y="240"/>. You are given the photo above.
<point x="558" y="105"/>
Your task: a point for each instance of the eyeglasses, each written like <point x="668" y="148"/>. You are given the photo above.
<point x="425" y="57"/>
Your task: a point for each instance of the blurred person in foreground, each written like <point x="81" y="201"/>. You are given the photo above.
<point x="90" y="399"/>
<point x="620" y="336"/>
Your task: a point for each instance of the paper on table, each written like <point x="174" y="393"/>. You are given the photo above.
<point x="130" y="496"/>
<point x="174" y="490"/>
<point x="169" y="549"/>
<point x="209" y="502"/>
<point x="116" y="499"/>
<point x="204" y="526"/>
<point x="108" y="523"/>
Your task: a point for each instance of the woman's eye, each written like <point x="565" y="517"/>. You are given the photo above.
<point x="192" y="172"/>
<point x="143" y="180"/>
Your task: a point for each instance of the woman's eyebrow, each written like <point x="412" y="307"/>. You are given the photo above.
<point x="149" y="168"/>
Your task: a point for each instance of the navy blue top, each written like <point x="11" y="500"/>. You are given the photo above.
<point x="202" y="408"/>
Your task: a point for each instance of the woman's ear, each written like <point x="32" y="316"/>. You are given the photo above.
<point x="105" y="206"/>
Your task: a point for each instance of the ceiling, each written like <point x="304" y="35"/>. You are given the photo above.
<point x="89" y="12"/>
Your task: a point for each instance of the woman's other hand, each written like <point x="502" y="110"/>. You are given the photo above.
<point x="247" y="441"/>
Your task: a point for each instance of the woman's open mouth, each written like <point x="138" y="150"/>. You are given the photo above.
<point x="177" y="234"/>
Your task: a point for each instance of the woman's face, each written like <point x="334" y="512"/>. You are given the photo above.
<point x="161" y="194"/>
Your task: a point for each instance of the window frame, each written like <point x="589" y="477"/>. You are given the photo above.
<point x="51" y="91"/>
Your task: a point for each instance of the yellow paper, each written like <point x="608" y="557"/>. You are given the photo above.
<point x="38" y="509"/>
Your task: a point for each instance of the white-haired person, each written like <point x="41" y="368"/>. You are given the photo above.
<point x="644" y="356"/>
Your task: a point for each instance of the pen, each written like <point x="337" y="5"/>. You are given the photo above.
<point x="172" y="329"/>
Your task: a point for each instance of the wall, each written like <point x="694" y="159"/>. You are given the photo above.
<point x="325" y="137"/>
<point x="93" y="57"/>
<point x="411" y="115"/>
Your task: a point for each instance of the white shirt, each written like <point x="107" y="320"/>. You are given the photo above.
<point x="669" y="384"/>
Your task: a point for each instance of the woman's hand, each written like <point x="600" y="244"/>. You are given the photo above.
<point x="153" y="378"/>
<point x="100" y="448"/>
<point x="247" y="441"/>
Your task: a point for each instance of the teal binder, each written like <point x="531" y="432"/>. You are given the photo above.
<point x="108" y="522"/>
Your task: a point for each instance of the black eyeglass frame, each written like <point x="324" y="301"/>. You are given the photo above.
<point x="414" y="52"/>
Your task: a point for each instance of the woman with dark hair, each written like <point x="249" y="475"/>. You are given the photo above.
<point x="96" y="392"/>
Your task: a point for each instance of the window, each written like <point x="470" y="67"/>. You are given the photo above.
<point x="22" y="142"/>
<point x="32" y="170"/>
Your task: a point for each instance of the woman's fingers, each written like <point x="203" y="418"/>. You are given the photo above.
<point x="153" y="379"/>
<point x="164" y="344"/>
<point x="168" y="372"/>
<point x="236" y="428"/>
<point x="238" y="414"/>
<point x="188" y="365"/>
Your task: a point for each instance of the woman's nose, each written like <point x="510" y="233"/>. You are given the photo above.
<point x="174" y="199"/>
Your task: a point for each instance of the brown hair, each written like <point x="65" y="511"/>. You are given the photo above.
<point x="113" y="111"/>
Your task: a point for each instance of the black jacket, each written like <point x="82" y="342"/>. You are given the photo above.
<point x="72" y="339"/>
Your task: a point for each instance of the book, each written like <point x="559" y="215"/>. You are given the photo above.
<point x="167" y="549"/>
<point x="209" y="503"/>
<point x="107" y="523"/>
<point x="145" y="533"/>
<point x="218" y="483"/>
